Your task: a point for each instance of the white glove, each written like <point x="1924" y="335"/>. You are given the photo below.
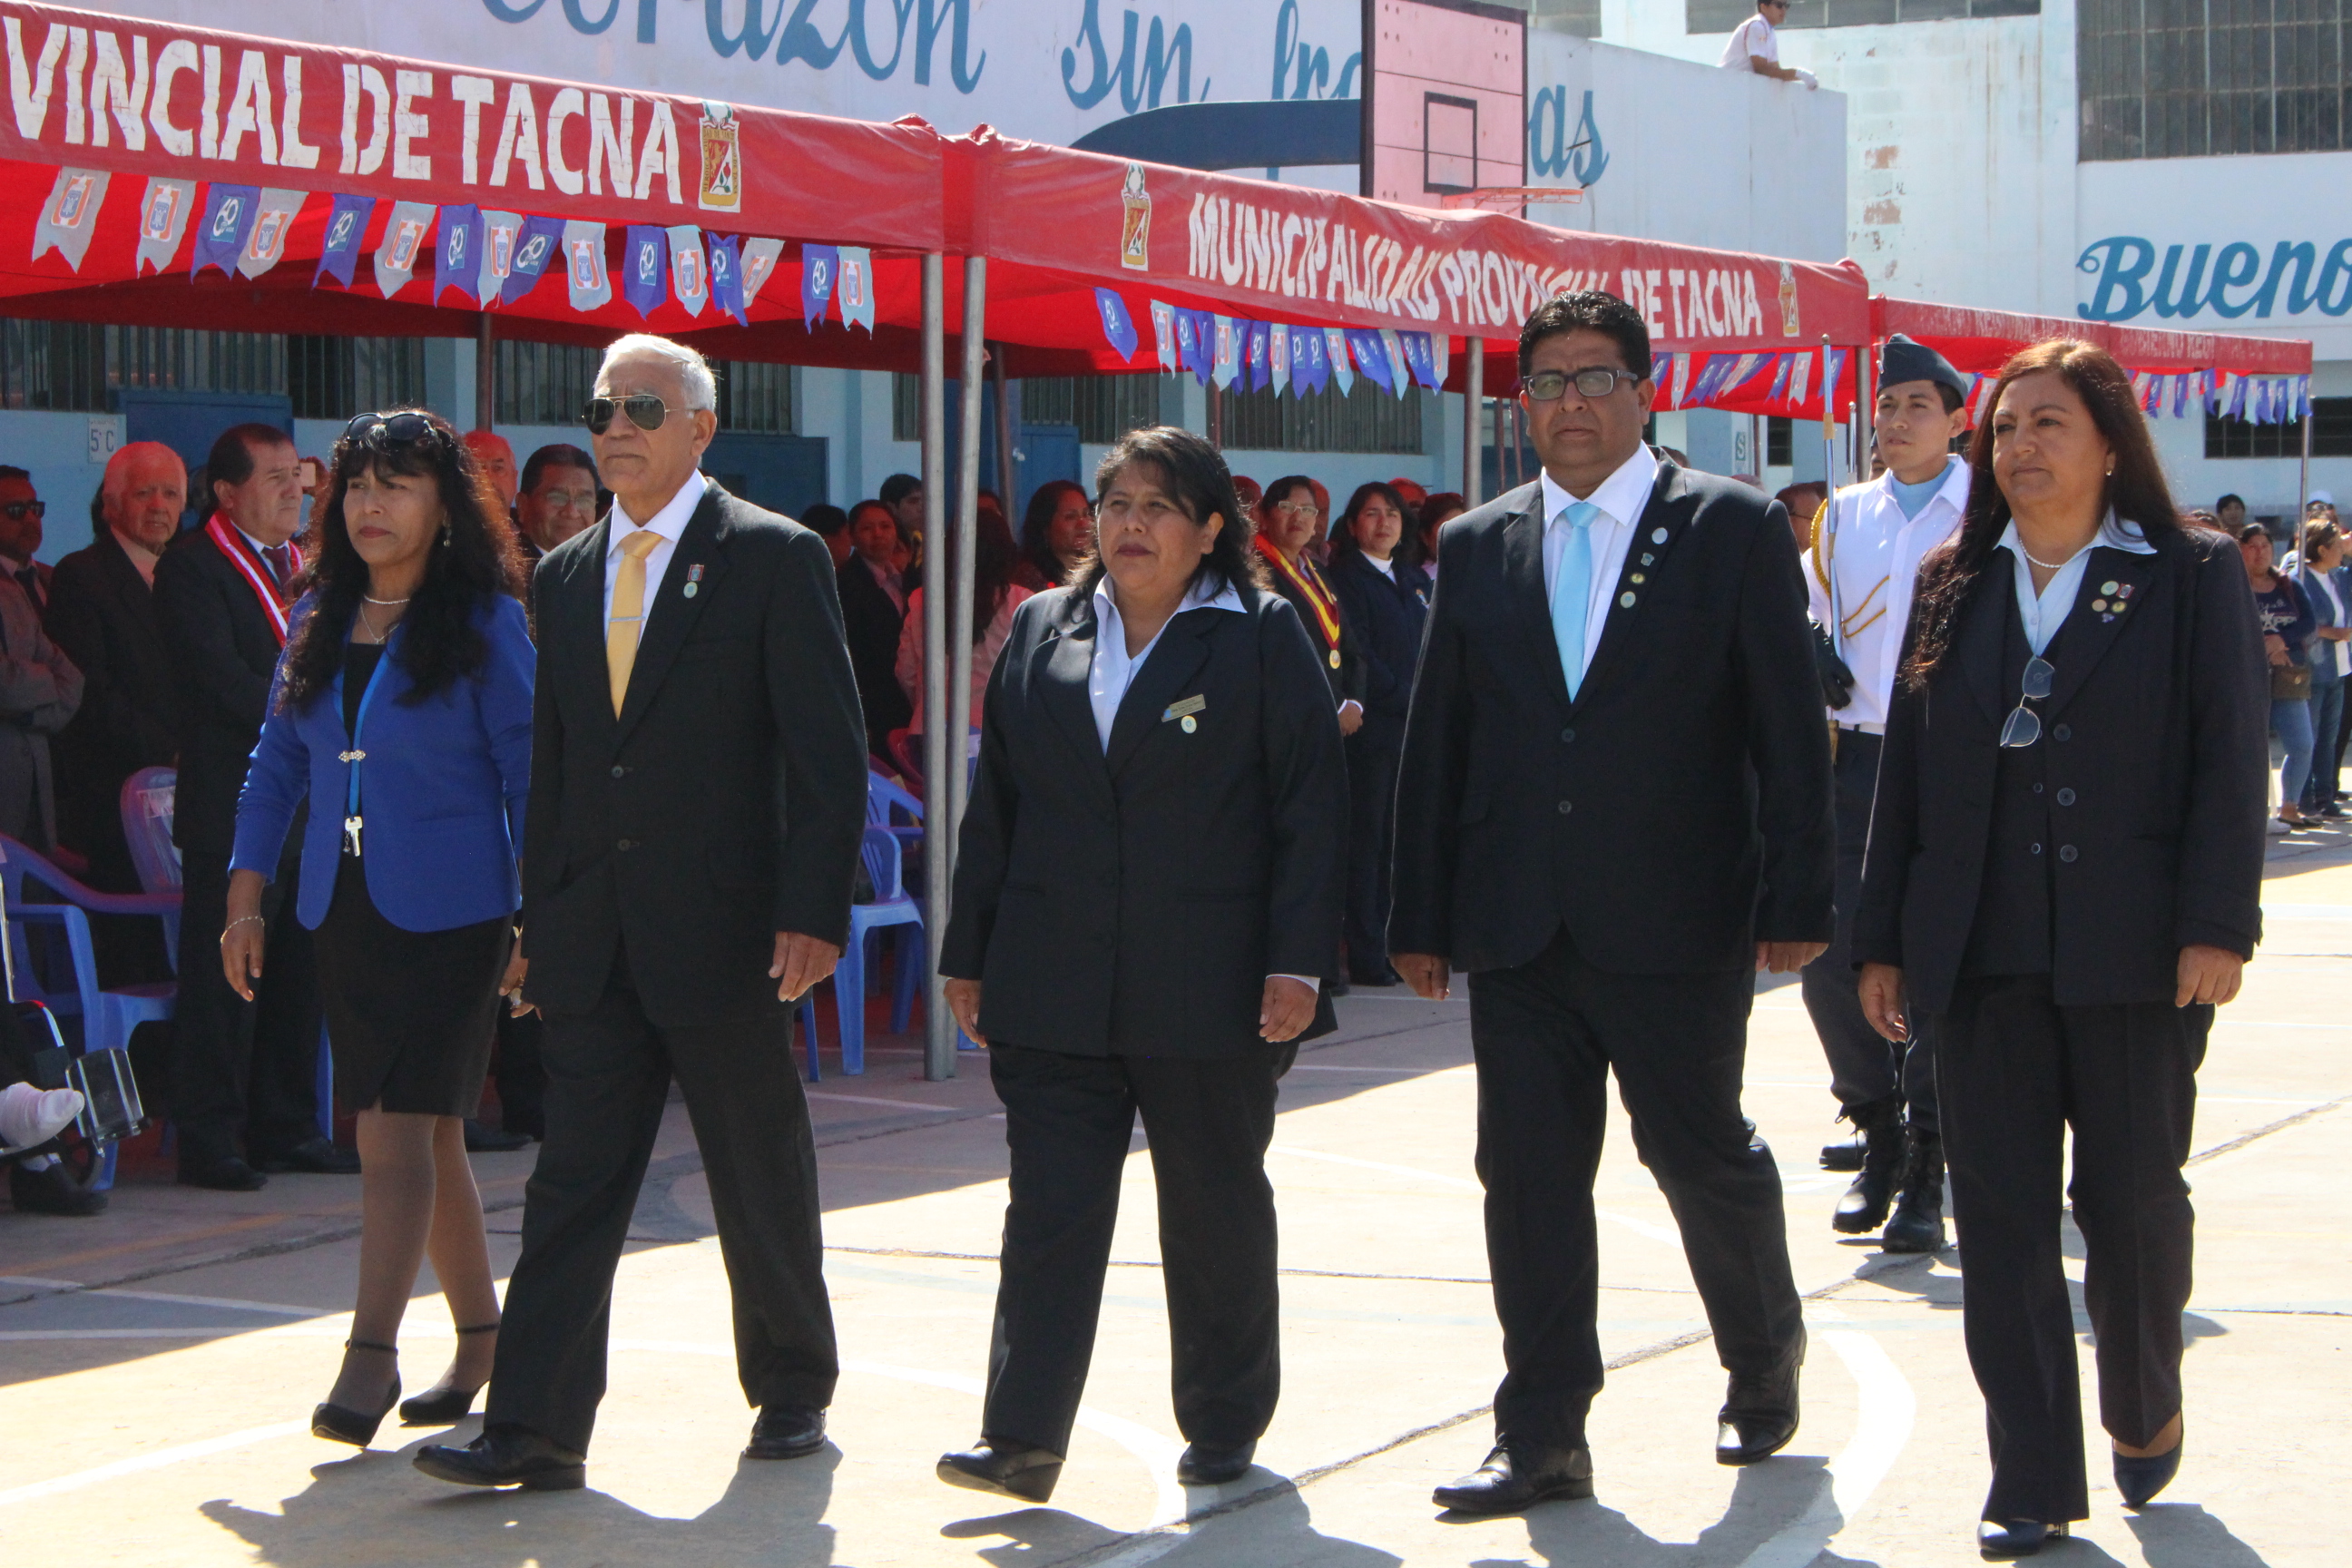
<point x="1810" y="80"/>
<point x="30" y="1116"/>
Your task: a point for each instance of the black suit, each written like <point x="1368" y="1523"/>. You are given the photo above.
<point x="1123" y="907"/>
<point x="1602" y="866"/>
<point x="238" y="1068"/>
<point x="871" y="622"/>
<point x="2036" y="899"/>
<point x="102" y="613"/>
<point x="664" y="851"/>
<point x="1386" y="614"/>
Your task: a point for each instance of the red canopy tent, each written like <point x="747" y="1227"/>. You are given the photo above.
<point x="1982" y="340"/>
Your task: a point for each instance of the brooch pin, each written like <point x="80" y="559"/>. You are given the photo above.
<point x="693" y="579"/>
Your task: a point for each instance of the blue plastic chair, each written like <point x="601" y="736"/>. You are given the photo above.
<point x="891" y="906"/>
<point x="148" y="801"/>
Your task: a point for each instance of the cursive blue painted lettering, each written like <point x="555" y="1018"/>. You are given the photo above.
<point x="2119" y="296"/>
<point x="751" y="37"/>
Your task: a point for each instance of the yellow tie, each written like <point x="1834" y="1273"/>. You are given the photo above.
<point x="628" y="617"/>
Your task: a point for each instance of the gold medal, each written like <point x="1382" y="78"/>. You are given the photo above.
<point x="1334" y="659"/>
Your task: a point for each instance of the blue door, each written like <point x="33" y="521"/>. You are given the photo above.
<point x="781" y="473"/>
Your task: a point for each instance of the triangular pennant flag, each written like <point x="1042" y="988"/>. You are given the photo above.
<point x="1204" y="346"/>
<point x="404" y="234"/>
<point x="1226" y="363"/>
<point x="2234" y="406"/>
<point x="642" y="282"/>
<point x="2303" y="396"/>
<point x="163" y="211"/>
<point x="1833" y="377"/>
<point x="1684" y="363"/>
<point x="227" y="219"/>
<point x="1400" y="374"/>
<point x="1335" y="346"/>
<point x="273" y="221"/>
<point x="1662" y="373"/>
<point x="70" y="215"/>
<point x="689" y="269"/>
<point x="1254" y="338"/>
<point x="1371" y="354"/>
<point x="586" y="279"/>
<point x="727" y="278"/>
<point x="760" y="258"/>
<point x="1277" y="358"/>
<point x="1118" y="326"/>
<point x="1302" y="373"/>
<point x="1780" y="374"/>
<point x="820" y="270"/>
<point x="537" y="243"/>
<point x="457" y="256"/>
<point x="855" y="289"/>
<point x="1164" y="334"/>
<point x="339" y="247"/>
<point x="1800" y="376"/>
<point x="1418" y="359"/>
<point x="1314" y="347"/>
<point x="1441" y="357"/>
<point x="501" y="233"/>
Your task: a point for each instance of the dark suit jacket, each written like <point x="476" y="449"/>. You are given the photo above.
<point x="104" y="615"/>
<point x="1346" y="678"/>
<point x="222" y="650"/>
<point x="1672" y="814"/>
<point x="1133" y="902"/>
<point x="871" y="623"/>
<point x="2155" y="733"/>
<point x="728" y="801"/>
<point x="1387" y="618"/>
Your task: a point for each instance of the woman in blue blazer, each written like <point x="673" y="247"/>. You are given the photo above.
<point x="401" y="715"/>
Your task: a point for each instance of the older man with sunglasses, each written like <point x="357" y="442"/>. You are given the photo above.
<point x="692" y="677"/>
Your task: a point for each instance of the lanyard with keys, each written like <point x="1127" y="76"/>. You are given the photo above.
<point x="355" y="756"/>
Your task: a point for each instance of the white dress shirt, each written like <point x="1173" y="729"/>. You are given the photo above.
<point x="1752" y="37"/>
<point x="1874" y="561"/>
<point x="1621" y="498"/>
<point x="669" y="522"/>
<point x="2045" y="612"/>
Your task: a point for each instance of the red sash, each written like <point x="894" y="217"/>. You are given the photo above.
<point x="255" y="575"/>
<point x="1312" y="588"/>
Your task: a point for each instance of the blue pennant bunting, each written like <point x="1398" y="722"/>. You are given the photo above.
<point x="819" y="271"/>
<point x="1118" y="326"/>
<point x="229" y="212"/>
<point x="338" y="249"/>
<point x="1371" y="355"/>
<point x="1418" y="357"/>
<point x="644" y="267"/>
<point x="1254" y="353"/>
<point x="458" y="262"/>
<point x="727" y="278"/>
<point x="538" y="242"/>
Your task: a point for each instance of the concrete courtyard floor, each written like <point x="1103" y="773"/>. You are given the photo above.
<point x="157" y="1365"/>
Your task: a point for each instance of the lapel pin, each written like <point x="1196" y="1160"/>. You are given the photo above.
<point x="1626" y="600"/>
<point x="2098" y="603"/>
<point x="1657" y="536"/>
<point x="2126" y="591"/>
<point x="1647" y="558"/>
<point x="2109" y="586"/>
<point x="694" y="580"/>
<point x="1637" y="579"/>
<point x="1189" y="724"/>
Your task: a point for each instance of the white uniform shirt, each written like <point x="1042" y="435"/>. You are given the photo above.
<point x="1621" y="498"/>
<point x="1752" y="37"/>
<point x="1874" y="560"/>
<point x="669" y="522"/>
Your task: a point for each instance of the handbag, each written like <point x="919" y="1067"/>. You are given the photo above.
<point x="2290" y="681"/>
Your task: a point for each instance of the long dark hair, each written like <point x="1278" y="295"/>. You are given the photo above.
<point x="992" y="561"/>
<point x="1038" y="526"/>
<point x="2136" y="490"/>
<point x="1343" y="527"/>
<point x="475" y="561"/>
<point x="1195" y="473"/>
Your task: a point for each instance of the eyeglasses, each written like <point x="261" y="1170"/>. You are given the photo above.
<point x="1292" y="508"/>
<point x="1550" y="385"/>
<point x="18" y="511"/>
<point x="645" y="410"/>
<point x="2024" y="725"/>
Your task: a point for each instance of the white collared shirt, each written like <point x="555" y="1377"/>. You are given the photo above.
<point x="1621" y="498"/>
<point x="1113" y="671"/>
<point x="2045" y="612"/>
<point x="669" y="522"/>
<point x="1752" y="37"/>
<point x="1873" y="558"/>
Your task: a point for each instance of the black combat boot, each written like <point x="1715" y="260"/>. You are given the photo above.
<point x="1864" y="1207"/>
<point x="1918" y="1222"/>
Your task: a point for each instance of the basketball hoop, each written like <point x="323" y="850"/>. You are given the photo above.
<point x="1508" y="198"/>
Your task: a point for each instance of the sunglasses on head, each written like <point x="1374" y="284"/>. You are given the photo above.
<point x="18" y="511"/>
<point x="645" y="410"/>
<point x="386" y="431"/>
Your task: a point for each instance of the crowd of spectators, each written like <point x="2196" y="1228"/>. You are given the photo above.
<point x="2304" y="599"/>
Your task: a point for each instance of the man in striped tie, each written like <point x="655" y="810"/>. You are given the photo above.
<point x="1620" y="783"/>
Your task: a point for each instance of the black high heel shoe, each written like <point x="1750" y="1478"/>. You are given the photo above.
<point x="341" y="1423"/>
<point x="445" y="1407"/>
<point x="2139" y="1480"/>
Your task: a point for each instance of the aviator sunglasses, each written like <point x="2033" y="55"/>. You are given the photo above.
<point x="645" y="410"/>
<point x="2024" y="725"/>
<point x="383" y="431"/>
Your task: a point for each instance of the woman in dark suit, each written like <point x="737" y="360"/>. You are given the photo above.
<point x="1149" y="893"/>
<point x="1289" y="518"/>
<point x="2064" y="869"/>
<point x="1384" y="595"/>
<point x="401" y="714"/>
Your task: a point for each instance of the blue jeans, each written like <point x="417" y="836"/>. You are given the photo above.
<point x="2327" y="724"/>
<point x="2291" y="717"/>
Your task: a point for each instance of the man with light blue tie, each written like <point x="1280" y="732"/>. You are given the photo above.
<point x="1620" y="779"/>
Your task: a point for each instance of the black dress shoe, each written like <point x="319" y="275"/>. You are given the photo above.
<point x="50" y="1191"/>
<point x="226" y="1174"/>
<point x="481" y="1137"/>
<point x="341" y="1422"/>
<point x="313" y="1157"/>
<point x="2006" y="1540"/>
<point x="1206" y="1465"/>
<point x="1759" y="1414"/>
<point x="1012" y="1468"/>
<point x="1509" y="1482"/>
<point x="785" y="1432"/>
<point x="2140" y="1479"/>
<point x="507" y="1456"/>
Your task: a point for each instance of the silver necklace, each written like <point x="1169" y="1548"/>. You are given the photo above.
<point x="2051" y="565"/>
<point x="372" y="600"/>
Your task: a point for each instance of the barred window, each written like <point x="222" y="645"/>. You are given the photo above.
<point x="1363" y="419"/>
<point x="1103" y="407"/>
<point x="1779" y="442"/>
<point x="71" y="366"/>
<point x="336" y="378"/>
<point x="544" y="383"/>
<point x="2331" y="434"/>
<point x="2183" y="79"/>
<point x="1722" y="16"/>
<point x="755" y="398"/>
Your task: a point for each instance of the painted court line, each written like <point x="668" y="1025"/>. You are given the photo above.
<point x="870" y="1100"/>
<point x="1638" y="1226"/>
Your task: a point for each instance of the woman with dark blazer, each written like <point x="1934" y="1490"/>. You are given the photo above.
<point x="1288" y="520"/>
<point x="400" y="712"/>
<point x="1148" y="894"/>
<point x="2063" y="881"/>
<point x="1384" y="595"/>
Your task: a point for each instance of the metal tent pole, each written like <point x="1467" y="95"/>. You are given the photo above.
<point x="1216" y="415"/>
<point x="938" y="1026"/>
<point x="967" y="540"/>
<point x="486" y="373"/>
<point x="1474" y="413"/>
<point x="2303" y="478"/>
<point x="1006" y="490"/>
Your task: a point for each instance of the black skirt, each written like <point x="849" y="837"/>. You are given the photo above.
<point x="410" y="1014"/>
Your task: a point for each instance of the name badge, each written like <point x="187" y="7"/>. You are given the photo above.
<point x="1185" y="708"/>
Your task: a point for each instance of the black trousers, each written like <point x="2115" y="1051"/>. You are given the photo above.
<point x="1067" y="1123"/>
<point x="243" y="1070"/>
<point x="2017" y="1070"/>
<point x="1864" y="1066"/>
<point x="1373" y="754"/>
<point x="520" y="1073"/>
<point x="1546" y="1036"/>
<point x="608" y="1075"/>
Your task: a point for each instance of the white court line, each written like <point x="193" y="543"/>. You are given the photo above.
<point x="1638" y="1226"/>
<point x="870" y="1100"/>
<point x="157" y="1460"/>
<point x="1883" y="1426"/>
<point x="1421" y="1072"/>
